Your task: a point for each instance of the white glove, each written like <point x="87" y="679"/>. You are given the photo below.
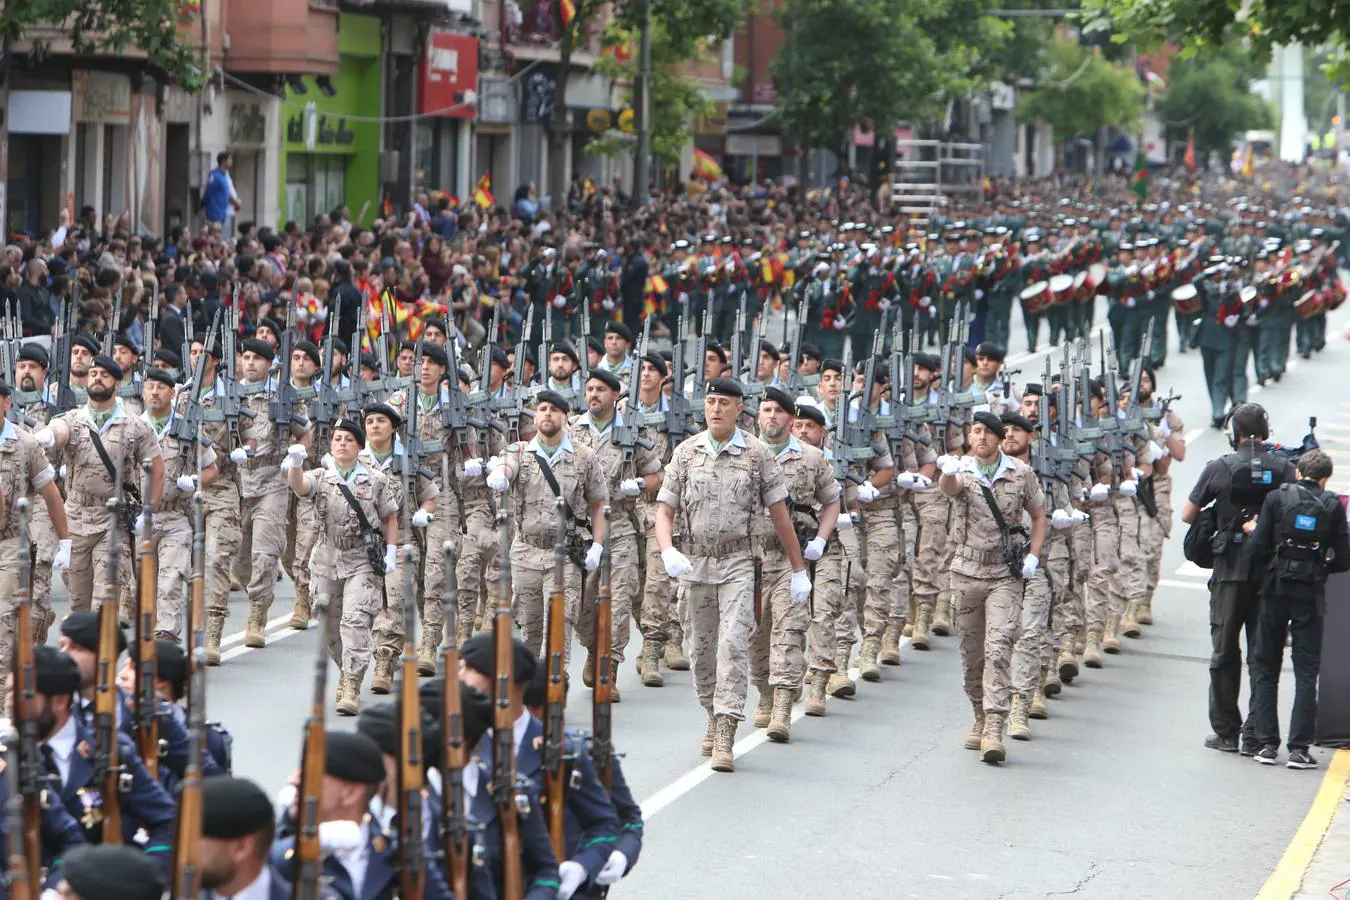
<point x="1060" y="519"/>
<point x="904" y="481"/>
<point x="867" y="492"/>
<point x="845" y="522"/>
<point x="613" y="869"/>
<point x="1137" y="473"/>
<point x="321" y="313"/>
<point x="62" y="558"/>
<point x="473" y="468"/>
<point x="1253" y="320"/>
<point x="63" y="472"/>
<point x="1164" y="429"/>
<point x="607" y="303"/>
<point x="238" y="455"/>
<point x="421" y="518"/>
<point x="979" y="293"/>
<point x="631" y="487"/>
<point x="1129" y="488"/>
<point x="390" y="554"/>
<point x="592" y="561"/>
<point x="186" y="483"/>
<point x="139" y="526"/>
<point x="925" y="302"/>
<point x="572" y="875"/>
<point x="840" y="324"/>
<point x="296" y="454"/>
<point x="1156" y="452"/>
<point x="558" y="303"/>
<point x="800" y="589"/>
<point x="814" y="549"/>
<point x="942" y="461"/>
<point x="676" y="563"/>
<point x="1231" y="321"/>
<point x="498" y="481"/>
<point x="922" y="483"/>
<point x="1099" y="492"/>
<point x="1029" y="566"/>
<point x="1078" y="516"/>
<point x="45" y="437"/>
<point x="952" y="467"/>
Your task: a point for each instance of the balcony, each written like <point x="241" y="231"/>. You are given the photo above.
<point x="281" y="37"/>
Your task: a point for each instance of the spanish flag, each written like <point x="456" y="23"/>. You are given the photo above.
<point x="567" y="11"/>
<point x="1249" y="163"/>
<point x="655" y="300"/>
<point x="706" y="167"/>
<point x="482" y="194"/>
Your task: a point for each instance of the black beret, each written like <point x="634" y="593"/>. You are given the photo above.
<point x="171" y="662"/>
<point x="1033" y="388"/>
<point x="594" y="343"/>
<point x="714" y="347"/>
<point x="35" y="353"/>
<point x="165" y="355"/>
<point x="339" y="346"/>
<point x="271" y="325"/>
<point x="475" y="707"/>
<point x="990" y="350"/>
<point x="124" y="340"/>
<point x="380" y="724"/>
<point x="1017" y="420"/>
<point x="408" y="344"/>
<point x="565" y="348"/>
<point x="811" y="351"/>
<point x="436" y="353"/>
<point x="500" y="358"/>
<point x="832" y="365"/>
<point x="112" y="872"/>
<point x="352" y="427"/>
<point x="990" y="421"/>
<point x="369" y="361"/>
<point x="658" y="363"/>
<point x="352" y="756"/>
<point x="5" y="389"/>
<point x="766" y="347"/>
<point x="260" y="347"/>
<point x="609" y="378"/>
<point x="727" y="387"/>
<point x="810" y="412"/>
<point x="383" y="409"/>
<point x="85" y="341"/>
<point x="82" y="629"/>
<point x="234" y="808"/>
<point x="163" y="376"/>
<point x="782" y="398"/>
<point x="437" y="323"/>
<point x="553" y="398"/>
<point x="107" y="364"/>
<point x="970" y="355"/>
<point x="479" y="653"/>
<point x="621" y="330"/>
<point x="57" y="673"/>
<point x="930" y="361"/>
<point x="308" y="348"/>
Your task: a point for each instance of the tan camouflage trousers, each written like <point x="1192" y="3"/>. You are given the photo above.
<point x="174" y="573"/>
<point x="44" y="541"/>
<point x="1129" y="582"/>
<point x="660" y="620"/>
<point x="1099" y="598"/>
<point x="1066" y="617"/>
<point x="929" y="548"/>
<point x="988" y="616"/>
<point x="778" y="644"/>
<point x="302" y="534"/>
<point x="478" y="568"/>
<point x="530" y="590"/>
<point x="718" y="619"/>
<point x="222" y="547"/>
<point x="885" y="566"/>
<point x="834" y="622"/>
<point x="262" y="525"/>
<point x="1033" y="640"/>
<point x="624" y="582"/>
<point x="87" y="577"/>
<point x="351" y="604"/>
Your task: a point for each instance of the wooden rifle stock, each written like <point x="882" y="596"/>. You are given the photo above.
<point x="503" y="727"/>
<point x="147" y="565"/>
<point x="602" y="747"/>
<point x="308" y="854"/>
<point x="107" y="765"/>
<point x="187" y="879"/>
<point x="555" y="774"/>
<point x="411" y="876"/>
<point x="456" y="755"/>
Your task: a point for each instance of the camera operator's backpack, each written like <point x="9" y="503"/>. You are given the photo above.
<point x="1304" y="536"/>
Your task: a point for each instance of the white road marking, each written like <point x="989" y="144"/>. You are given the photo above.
<point x="1191" y="436"/>
<point x="1190" y="569"/>
<point x="238" y="636"/>
<point x="236" y="652"/>
<point x="1193" y="585"/>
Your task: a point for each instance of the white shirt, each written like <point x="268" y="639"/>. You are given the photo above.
<point x="356" y="859"/>
<point x="258" y="889"/>
<point x="63" y="748"/>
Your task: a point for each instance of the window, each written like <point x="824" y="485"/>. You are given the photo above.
<point x="314" y="185"/>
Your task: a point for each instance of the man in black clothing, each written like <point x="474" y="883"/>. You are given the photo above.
<point x="1237" y="484"/>
<point x="1297" y="540"/>
<point x="347" y="295"/>
<point x="173" y="317"/>
<point x="35" y="303"/>
<point x="633" y="285"/>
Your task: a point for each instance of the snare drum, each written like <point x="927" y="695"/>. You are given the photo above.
<point x="1187" y="300"/>
<point x="1309" y="305"/>
<point x="1061" y="289"/>
<point x="1035" y="298"/>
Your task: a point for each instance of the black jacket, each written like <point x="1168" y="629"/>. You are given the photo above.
<point x="1269" y="533"/>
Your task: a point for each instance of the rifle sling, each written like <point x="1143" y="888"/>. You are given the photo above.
<point x="366" y="528"/>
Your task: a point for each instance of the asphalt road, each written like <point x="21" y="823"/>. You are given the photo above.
<point x="1114" y="797"/>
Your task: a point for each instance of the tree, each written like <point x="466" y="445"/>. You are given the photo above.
<point x="110" y="28"/>
<point x="1210" y="94"/>
<point x="1080" y="91"/>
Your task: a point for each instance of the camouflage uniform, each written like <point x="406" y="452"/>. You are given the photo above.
<point x="174" y="527"/>
<point x="41" y="532"/>
<point x="478" y="564"/>
<point x="24" y="471"/>
<point x="1158" y="530"/>
<point x="264" y="502"/>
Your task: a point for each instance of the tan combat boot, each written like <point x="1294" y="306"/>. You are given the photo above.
<point x="302" y="613"/>
<point x="1092" y="650"/>
<point x="1067" y="664"/>
<point x="1110" y="641"/>
<point x="255" y="632"/>
<point x="649" y="664"/>
<point x="429" y="650"/>
<point x="780" y="720"/>
<point x="723" y="739"/>
<point x="815" y="693"/>
<point x="763" y="708"/>
<point x="382" y="679"/>
<point x="706" y="747"/>
<point x="42" y="626"/>
<point x="1130" y="625"/>
<point x="839" y="684"/>
<point x="614" y="696"/>
<point x="676" y="661"/>
<point x="890" y="646"/>
<point x="588" y="671"/>
<point x="349" y="693"/>
<point x="942" y="616"/>
<point x="976" y="733"/>
<point x="1051" y="685"/>
<point x="908" y="630"/>
<point x="1037" y="708"/>
<point x="215" y="629"/>
<point x="1143" y="613"/>
<point x="867" y="659"/>
<point x="1018" y="728"/>
<point x="921" y="639"/>
<point x="991" y="742"/>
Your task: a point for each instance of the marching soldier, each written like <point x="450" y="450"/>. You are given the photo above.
<point x="617" y="360"/>
<point x="478" y="561"/>
<point x="1169" y="436"/>
<point x="128" y="356"/>
<point x="349" y="500"/>
<point x="301" y="531"/>
<point x="33" y="397"/>
<point x="718" y="482"/>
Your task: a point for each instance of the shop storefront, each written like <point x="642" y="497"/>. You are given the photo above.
<point x="447" y="97"/>
<point x="330" y="139"/>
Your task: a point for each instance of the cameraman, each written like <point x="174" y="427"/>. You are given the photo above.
<point x="1237" y="484"/>
<point x="1299" y="538"/>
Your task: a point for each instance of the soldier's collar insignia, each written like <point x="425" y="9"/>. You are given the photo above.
<point x="83" y="749"/>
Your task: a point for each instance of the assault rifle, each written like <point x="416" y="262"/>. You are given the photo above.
<point x="281" y="408"/>
<point x="700" y="387"/>
<point x="151" y="330"/>
<point x="232" y="399"/>
<point x="58" y="377"/>
<point x="186" y="428"/>
<point x="679" y="413"/>
<point x="11" y="340"/>
<point x="323" y="407"/>
<point x="554" y="760"/>
<point x="511" y="404"/>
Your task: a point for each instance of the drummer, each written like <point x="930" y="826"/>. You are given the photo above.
<point x="1123" y="315"/>
<point x="1061" y="302"/>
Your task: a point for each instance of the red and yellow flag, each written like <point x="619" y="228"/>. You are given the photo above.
<point x="482" y="194"/>
<point x="1189" y="159"/>
<point x="706" y="167"/>
<point x="567" y="11"/>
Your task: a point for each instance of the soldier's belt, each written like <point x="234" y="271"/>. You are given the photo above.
<point x="83" y="499"/>
<point x="548" y="543"/>
<point x="982" y="557"/>
<point x="725" y="548"/>
<point x="258" y="462"/>
<point x="346" y="543"/>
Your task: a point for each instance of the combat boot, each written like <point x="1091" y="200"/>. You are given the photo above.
<point x="991" y="742"/>
<point x="1092" y="651"/>
<point x="614" y="696"/>
<point x="839" y="684"/>
<point x="301" y="615"/>
<point x="382" y="679"/>
<point x="1143" y="613"/>
<point x="215" y="629"/>
<point x="921" y="640"/>
<point x="649" y="664"/>
<point x="976" y="733"/>
<point x="867" y="660"/>
<point x="908" y="630"/>
<point x="42" y="626"/>
<point x="723" y="739"/>
<point x="1130" y="625"/>
<point x="763" y="708"/>
<point x="1018" y="728"/>
<point x="1067" y="664"/>
<point x="676" y="661"/>
<point x="1037" y="708"/>
<point x="588" y="671"/>
<point x="942" y="616"/>
<point x="255" y="632"/>
<point x="429" y="650"/>
<point x="706" y="747"/>
<point x="1110" y="642"/>
<point x="815" y="693"/>
<point x="890" y="646"/>
<point x="1051" y="686"/>
<point x="349" y="693"/>
<point x="780" y="720"/>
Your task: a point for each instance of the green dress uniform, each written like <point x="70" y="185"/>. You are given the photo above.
<point x="1225" y="343"/>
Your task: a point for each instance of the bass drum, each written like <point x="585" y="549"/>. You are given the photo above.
<point x="1061" y="289"/>
<point x="1187" y="300"/>
<point x="1335" y="295"/>
<point x="1309" y="305"/>
<point x="1096" y="282"/>
<point x="1080" y="291"/>
<point x="1035" y="298"/>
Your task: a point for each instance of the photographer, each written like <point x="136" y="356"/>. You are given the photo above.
<point x="1299" y="538"/>
<point x="1237" y="484"/>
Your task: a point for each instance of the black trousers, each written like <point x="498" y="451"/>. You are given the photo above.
<point x="1233" y="612"/>
<point x="1283" y="616"/>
